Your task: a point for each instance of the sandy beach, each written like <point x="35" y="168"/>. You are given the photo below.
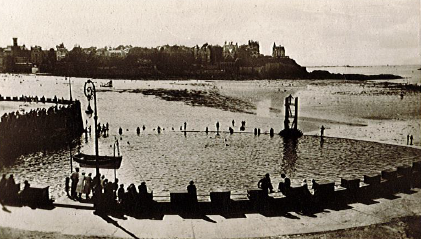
<point x="367" y="111"/>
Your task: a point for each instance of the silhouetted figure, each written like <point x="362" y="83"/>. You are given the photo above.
<point x="271" y="132"/>
<point x="284" y="185"/>
<point x="132" y="196"/>
<point x="120" y="131"/>
<point x="265" y="184"/>
<point x="115" y="188"/>
<point x="86" y="134"/>
<point x="144" y="127"/>
<point x="258" y="131"/>
<point x="67" y="186"/>
<point x="407" y="139"/>
<point x="75" y="179"/>
<point x="207" y="130"/>
<point x="23" y="195"/>
<point x="243" y="126"/>
<point x="138" y="130"/>
<point x="315" y="185"/>
<point x="217" y="127"/>
<point x="322" y="131"/>
<point x="231" y="130"/>
<point x="102" y="181"/>
<point x="3" y="182"/>
<point x="185" y="126"/>
<point x="121" y="194"/>
<point x="143" y="190"/>
<point x="255" y="131"/>
<point x="11" y="189"/>
<point x="305" y="199"/>
<point x="191" y="190"/>
<point x="233" y="122"/>
<point x="80" y="186"/>
<point x="159" y="130"/>
<point x="88" y="186"/>
<point x="410" y="139"/>
<point x="109" y="194"/>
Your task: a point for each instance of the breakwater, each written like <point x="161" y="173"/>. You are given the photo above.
<point x="40" y="129"/>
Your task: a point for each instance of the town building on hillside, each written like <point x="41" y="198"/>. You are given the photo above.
<point x="89" y="50"/>
<point x="2" y="61"/>
<point x="20" y="58"/>
<point x="117" y="53"/>
<point x="278" y="51"/>
<point x="61" y="52"/>
<point x="202" y="54"/>
<point x="37" y="55"/>
<point x="229" y="51"/>
<point x="253" y="48"/>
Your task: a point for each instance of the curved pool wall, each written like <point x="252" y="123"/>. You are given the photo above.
<point x="168" y="161"/>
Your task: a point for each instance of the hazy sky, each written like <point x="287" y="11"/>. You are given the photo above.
<point x="356" y="32"/>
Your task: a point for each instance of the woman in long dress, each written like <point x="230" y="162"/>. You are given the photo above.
<point x="88" y="185"/>
<point x="80" y="186"/>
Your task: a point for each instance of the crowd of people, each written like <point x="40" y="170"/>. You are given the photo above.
<point x="105" y="193"/>
<point x="39" y="129"/>
<point x="108" y="195"/>
<point x="25" y="98"/>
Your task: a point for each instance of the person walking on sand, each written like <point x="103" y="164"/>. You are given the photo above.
<point x="322" y="131"/>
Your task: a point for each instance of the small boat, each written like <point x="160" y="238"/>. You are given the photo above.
<point x="108" y="84"/>
<point x="89" y="161"/>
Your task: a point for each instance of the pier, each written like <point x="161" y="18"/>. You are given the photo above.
<point x="53" y="126"/>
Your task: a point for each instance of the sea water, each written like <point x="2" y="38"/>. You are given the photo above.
<point x="168" y="161"/>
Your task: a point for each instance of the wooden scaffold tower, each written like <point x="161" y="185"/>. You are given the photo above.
<point x="291" y="113"/>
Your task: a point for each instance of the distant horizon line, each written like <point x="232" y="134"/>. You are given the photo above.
<point x="350" y="66"/>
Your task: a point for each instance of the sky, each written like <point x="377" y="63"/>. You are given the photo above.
<point x="314" y="33"/>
